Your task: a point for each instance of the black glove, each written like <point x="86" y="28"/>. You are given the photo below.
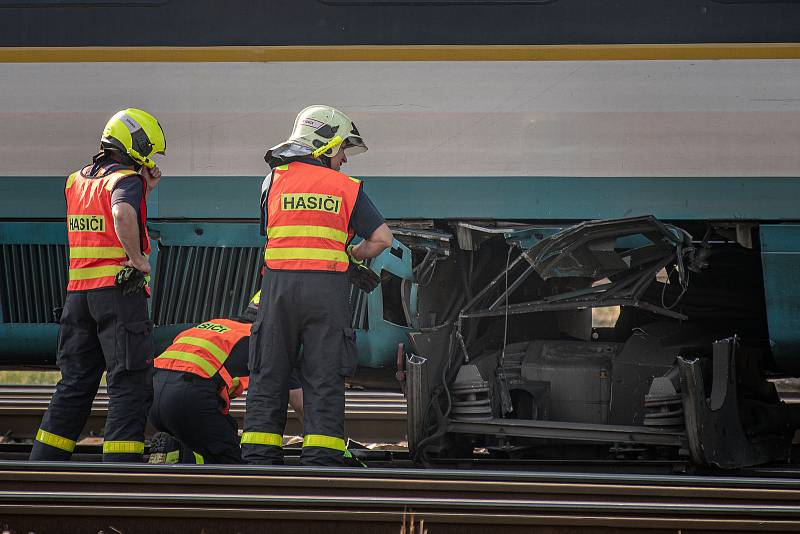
<point x="363" y="277"/>
<point x="360" y="275"/>
<point x="131" y="281"/>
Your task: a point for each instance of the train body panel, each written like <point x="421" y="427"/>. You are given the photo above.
<point x="478" y="118"/>
<point x="31" y="248"/>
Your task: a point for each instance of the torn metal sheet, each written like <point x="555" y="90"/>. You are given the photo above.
<point x="471" y="234"/>
<point x="628" y="253"/>
<point x="429" y="239"/>
<point x="601" y="249"/>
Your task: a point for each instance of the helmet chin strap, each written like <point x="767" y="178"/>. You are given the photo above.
<point x="142" y="160"/>
<point x="336" y="141"/>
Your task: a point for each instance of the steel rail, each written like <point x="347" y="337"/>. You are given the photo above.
<point x="357" y="501"/>
<point x="727" y="479"/>
<point x="332" y="521"/>
<point x="38" y="495"/>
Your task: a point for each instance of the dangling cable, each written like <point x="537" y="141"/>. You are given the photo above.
<point x="505" y="320"/>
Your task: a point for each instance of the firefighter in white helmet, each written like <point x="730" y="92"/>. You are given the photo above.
<point x="309" y="213"/>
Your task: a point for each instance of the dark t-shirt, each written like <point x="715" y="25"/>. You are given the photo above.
<point x="128" y="189"/>
<point x="364" y="220"/>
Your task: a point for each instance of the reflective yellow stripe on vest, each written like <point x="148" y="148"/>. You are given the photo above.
<point x="87" y="273"/>
<point x="54" y="440"/>
<point x="123" y="447"/>
<point x="215" y="351"/>
<point x="191" y="358"/>
<point x="262" y="438"/>
<point x="97" y="252"/>
<point x="305" y="254"/>
<point x="71" y="179"/>
<point x="307" y="231"/>
<point x="328" y="442"/>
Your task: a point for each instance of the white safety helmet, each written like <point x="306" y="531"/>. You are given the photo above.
<point x="320" y="131"/>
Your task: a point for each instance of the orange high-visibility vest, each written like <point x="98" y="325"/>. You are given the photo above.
<point x="309" y="209"/>
<point x="95" y="251"/>
<point x="203" y="349"/>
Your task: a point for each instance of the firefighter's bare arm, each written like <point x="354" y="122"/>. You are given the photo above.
<point x="151" y="178"/>
<point x="380" y="240"/>
<point x="126" y="224"/>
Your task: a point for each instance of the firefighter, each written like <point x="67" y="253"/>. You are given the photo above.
<point x="105" y="324"/>
<point x="309" y="212"/>
<point x="195" y="379"/>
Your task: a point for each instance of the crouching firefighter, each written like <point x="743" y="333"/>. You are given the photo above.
<point x="195" y="379"/>
<point x="105" y="324"/>
<point x="309" y="212"/>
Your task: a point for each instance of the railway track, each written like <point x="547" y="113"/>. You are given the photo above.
<point x="370" y="416"/>
<point x="93" y="497"/>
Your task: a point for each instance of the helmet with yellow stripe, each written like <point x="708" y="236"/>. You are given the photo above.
<point x="136" y="134"/>
<point x="320" y="131"/>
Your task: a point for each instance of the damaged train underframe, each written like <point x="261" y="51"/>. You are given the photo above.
<point x="508" y="353"/>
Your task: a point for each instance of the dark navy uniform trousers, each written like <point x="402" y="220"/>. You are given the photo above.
<point x="101" y="330"/>
<point x="312" y="310"/>
<point x="188" y="407"/>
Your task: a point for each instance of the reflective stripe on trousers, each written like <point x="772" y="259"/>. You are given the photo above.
<point x="262" y="438"/>
<point x="327" y="442"/>
<point x="123" y="447"/>
<point x="54" y="440"/>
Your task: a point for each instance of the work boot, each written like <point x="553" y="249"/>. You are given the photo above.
<point x="164" y="449"/>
